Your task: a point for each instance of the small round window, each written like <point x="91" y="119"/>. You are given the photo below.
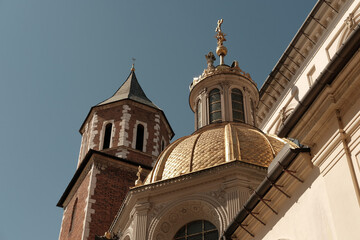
<point x="198" y="230"/>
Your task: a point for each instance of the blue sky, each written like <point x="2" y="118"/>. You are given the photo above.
<point x="59" y="58"/>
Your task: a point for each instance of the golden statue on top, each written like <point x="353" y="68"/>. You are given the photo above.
<point x="220" y="36"/>
<point x="221" y="50"/>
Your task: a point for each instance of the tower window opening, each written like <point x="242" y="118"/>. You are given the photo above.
<point x="107" y="136"/>
<point x="237" y="103"/>
<point x="73" y="215"/>
<point x="139" y="137"/>
<point x="199" y="230"/>
<point x="198" y="114"/>
<point x="162" y="145"/>
<point x="215" y="106"/>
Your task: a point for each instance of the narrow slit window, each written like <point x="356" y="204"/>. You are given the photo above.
<point x="73" y="215"/>
<point x="237" y="103"/>
<point x="139" y="137"/>
<point x="162" y="145"/>
<point x="107" y="136"/>
<point x="215" y="106"/>
<point x="198" y="114"/>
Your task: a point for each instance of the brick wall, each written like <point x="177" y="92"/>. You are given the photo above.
<point x="77" y="226"/>
<point x="112" y="185"/>
<point x="99" y="197"/>
<point x="125" y="116"/>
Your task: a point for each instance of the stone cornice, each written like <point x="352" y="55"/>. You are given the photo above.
<point x="296" y="55"/>
<point x="186" y="181"/>
<point x="84" y="168"/>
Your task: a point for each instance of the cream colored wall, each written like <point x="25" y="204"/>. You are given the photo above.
<point x="329" y="207"/>
<point x="324" y="208"/>
<point x="322" y="54"/>
<point x="326" y="205"/>
<point x="309" y="217"/>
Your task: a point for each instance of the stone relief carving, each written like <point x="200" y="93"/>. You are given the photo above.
<point x="219" y="195"/>
<point x="210" y="58"/>
<point x="182" y="214"/>
<point x="350" y="21"/>
<point x="156" y="209"/>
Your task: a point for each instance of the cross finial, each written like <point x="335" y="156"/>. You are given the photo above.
<point x="221" y="50"/>
<point x="133" y="64"/>
<point x="218" y="28"/>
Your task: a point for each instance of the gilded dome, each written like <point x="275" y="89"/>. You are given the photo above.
<point x="213" y="145"/>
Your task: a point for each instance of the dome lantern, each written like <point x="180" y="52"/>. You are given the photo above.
<point x="223" y="93"/>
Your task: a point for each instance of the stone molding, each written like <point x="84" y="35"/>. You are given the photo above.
<point x="196" y="207"/>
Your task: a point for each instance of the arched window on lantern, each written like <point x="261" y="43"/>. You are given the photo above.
<point x="198" y="114"/>
<point x="200" y="230"/>
<point x="107" y="136"/>
<point x="139" y="137"/>
<point x="215" y="106"/>
<point x="237" y="103"/>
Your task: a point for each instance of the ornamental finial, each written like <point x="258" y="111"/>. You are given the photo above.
<point x="221" y="50"/>
<point x="138" y="181"/>
<point x="133" y="65"/>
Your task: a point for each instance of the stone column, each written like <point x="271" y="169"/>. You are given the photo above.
<point x="236" y="195"/>
<point x="141" y="216"/>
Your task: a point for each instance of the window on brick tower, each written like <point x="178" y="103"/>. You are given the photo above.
<point x="73" y="215"/>
<point x="107" y="136"/>
<point x="139" y="137"/>
<point x="162" y="145"/>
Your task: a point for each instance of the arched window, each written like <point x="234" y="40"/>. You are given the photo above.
<point x="237" y="103"/>
<point x="199" y="230"/>
<point x="107" y="136"/>
<point x="198" y="114"/>
<point x="139" y="137"/>
<point x="73" y="215"/>
<point x="215" y="106"/>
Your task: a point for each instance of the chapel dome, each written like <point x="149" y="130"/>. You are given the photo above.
<point x="213" y="145"/>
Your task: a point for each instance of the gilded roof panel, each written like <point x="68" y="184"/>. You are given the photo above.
<point x="178" y="162"/>
<point x="254" y="147"/>
<point x="212" y="139"/>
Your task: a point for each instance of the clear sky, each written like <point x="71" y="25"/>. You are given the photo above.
<point x="59" y="58"/>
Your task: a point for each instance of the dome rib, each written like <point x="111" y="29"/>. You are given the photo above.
<point x="192" y="152"/>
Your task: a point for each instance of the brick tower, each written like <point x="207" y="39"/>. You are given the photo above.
<point x="118" y="135"/>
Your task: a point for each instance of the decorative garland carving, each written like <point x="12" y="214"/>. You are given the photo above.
<point x="181" y="214"/>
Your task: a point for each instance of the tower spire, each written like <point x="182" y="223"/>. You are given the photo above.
<point x="221" y="50"/>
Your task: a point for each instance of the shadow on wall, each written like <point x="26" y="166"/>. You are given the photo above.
<point x="288" y="204"/>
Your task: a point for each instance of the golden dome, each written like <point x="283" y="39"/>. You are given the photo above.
<point x="213" y="145"/>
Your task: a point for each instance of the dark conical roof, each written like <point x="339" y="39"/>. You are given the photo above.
<point x="130" y="89"/>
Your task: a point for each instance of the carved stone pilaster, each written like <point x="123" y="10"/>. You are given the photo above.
<point x="236" y="195"/>
<point x="141" y="216"/>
